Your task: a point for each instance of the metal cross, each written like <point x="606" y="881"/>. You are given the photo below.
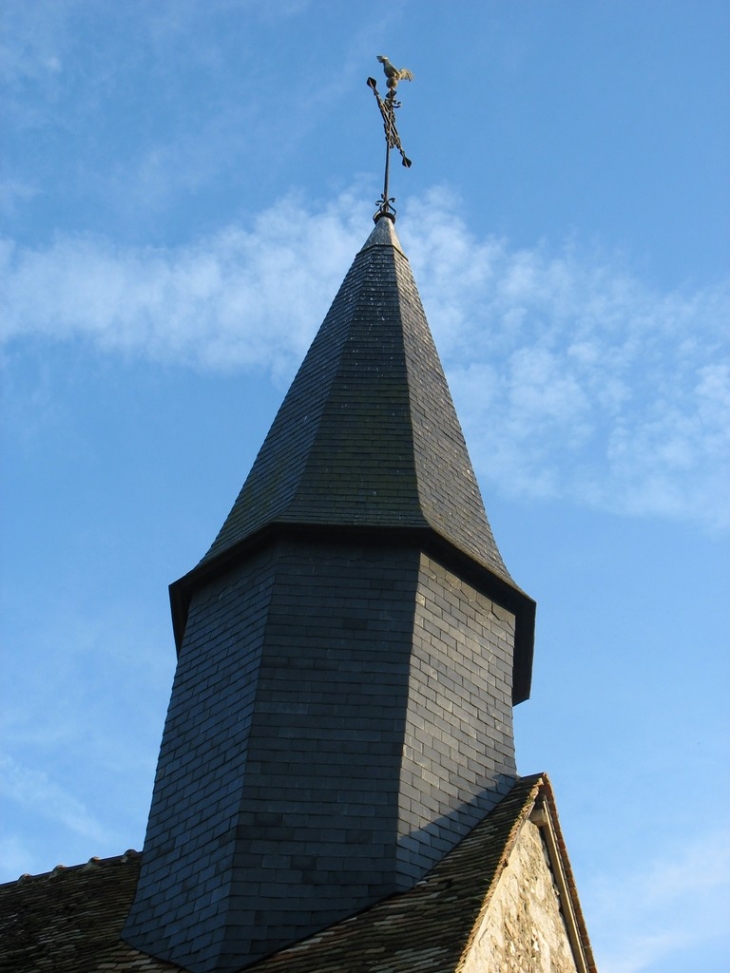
<point x="392" y="139"/>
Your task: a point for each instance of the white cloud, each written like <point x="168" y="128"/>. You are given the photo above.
<point x="670" y="905"/>
<point x="246" y="298"/>
<point x="572" y="377"/>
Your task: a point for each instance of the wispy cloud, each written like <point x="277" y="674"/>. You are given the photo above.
<point x="99" y="109"/>
<point x="574" y="379"/>
<point x="671" y="905"/>
<point x="32" y="37"/>
<point x="241" y="298"/>
<point x="36" y="791"/>
<point x="80" y="743"/>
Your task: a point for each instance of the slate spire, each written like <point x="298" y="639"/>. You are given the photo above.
<point x="368" y="434"/>
<point x="350" y="648"/>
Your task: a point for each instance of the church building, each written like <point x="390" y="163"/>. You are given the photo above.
<point x="337" y="789"/>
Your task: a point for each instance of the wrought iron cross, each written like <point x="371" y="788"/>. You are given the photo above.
<point x="392" y="140"/>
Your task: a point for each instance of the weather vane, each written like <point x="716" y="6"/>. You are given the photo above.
<point x="392" y="140"/>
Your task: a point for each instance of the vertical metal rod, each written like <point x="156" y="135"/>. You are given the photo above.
<point x="386" y="205"/>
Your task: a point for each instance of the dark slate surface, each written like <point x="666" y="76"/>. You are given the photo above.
<point x="318" y="824"/>
<point x="458" y="752"/>
<point x="368" y="434"/>
<point x="428" y="929"/>
<point x="190" y="837"/>
<point x="340" y="719"/>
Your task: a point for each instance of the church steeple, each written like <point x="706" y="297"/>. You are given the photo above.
<point x="368" y="434"/>
<point x="349" y="651"/>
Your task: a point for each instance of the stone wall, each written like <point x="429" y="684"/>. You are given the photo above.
<point x="523" y="930"/>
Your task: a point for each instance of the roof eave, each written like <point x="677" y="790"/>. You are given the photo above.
<point x="504" y="593"/>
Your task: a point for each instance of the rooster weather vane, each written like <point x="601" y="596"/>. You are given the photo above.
<point x="392" y="140"/>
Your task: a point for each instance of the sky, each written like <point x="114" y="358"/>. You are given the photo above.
<point x="184" y="185"/>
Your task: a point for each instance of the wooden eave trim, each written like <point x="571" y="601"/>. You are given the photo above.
<point x="549" y="825"/>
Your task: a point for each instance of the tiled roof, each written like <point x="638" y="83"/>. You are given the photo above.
<point x="69" y="920"/>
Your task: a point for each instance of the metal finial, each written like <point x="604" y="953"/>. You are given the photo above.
<point x="392" y="140"/>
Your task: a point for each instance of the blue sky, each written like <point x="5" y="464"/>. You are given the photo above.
<point x="184" y="186"/>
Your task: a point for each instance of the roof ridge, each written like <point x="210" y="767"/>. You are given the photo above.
<point x="130" y="854"/>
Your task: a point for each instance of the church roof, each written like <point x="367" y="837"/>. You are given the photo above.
<point x="69" y="920"/>
<point x="368" y="440"/>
